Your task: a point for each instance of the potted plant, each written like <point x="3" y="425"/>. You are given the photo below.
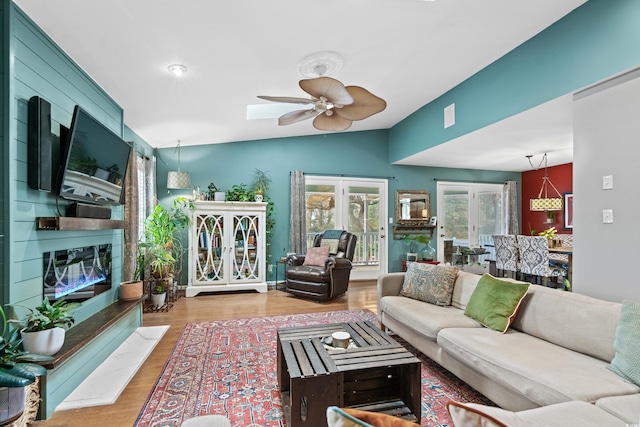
<point x="239" y="193"/>
<point x="43" y="329"/>
<point x="158" y="295"/>
<point x="261" y="182"/>
<point x="550" y="234"/>
<point x="132" y="290"/>
<point x="17" y="371"/>
<point x="162" y="246"/>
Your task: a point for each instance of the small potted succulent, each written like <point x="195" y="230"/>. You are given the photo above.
<point x="43" y="330"/>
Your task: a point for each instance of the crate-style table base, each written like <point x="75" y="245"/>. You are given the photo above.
<point x="378" y="375"/>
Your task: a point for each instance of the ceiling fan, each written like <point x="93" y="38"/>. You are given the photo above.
<point x="334" y="106"/>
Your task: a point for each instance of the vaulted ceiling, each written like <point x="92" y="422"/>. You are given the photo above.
<point x="407" y="52"/>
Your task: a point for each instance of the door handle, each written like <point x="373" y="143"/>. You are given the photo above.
<point x="442" y="235"/>
<point x="383" y="236"/>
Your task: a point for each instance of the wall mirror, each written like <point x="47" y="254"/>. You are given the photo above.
<point x="413" y="207"/>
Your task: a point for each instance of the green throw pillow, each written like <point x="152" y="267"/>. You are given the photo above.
<point x="494" y="302"/>
<point x="626" y="361"/>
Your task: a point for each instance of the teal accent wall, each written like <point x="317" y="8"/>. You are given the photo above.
<point x="353" y="154"/>
<point x="40" y="68"/>
<point x="595" y="41"/>
<point x="4" y="148"/>
<point x="33" y="65"/>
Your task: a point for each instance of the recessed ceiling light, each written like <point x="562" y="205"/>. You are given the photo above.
<point x="177" y="69"/>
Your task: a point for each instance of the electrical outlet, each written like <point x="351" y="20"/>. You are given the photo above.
<point x="607" y="182"/>
<point x="607" y="216"/>
<point x="270" y="268"/>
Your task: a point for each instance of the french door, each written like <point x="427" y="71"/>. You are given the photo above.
<point x="468" y="216"/>
<point x="357" y="205"/>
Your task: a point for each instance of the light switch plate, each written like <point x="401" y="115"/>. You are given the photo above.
<point x="607" y="216"/>
<point x="607" y="182"/>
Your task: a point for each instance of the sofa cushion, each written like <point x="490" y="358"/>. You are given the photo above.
<point x="495" y="302"/>
<point x="429" y="283"/>
<point x="463" y="289"/>
<point x="541" y="371"/>
<point x="569" y="414"/>
<point x="470" y="414"/>
<point x="426" y="319"/>
<point x="627" y="408"/>
<point x="626" y="361"/>
<point x="570" y="320"/>
<point x="316" y="256"/>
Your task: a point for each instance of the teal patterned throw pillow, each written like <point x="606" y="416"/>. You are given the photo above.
<point x="626" y="362"/>
<point x="429" y="283"/>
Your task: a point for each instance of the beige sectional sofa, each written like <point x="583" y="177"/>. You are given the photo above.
<point x="557" y="349"/>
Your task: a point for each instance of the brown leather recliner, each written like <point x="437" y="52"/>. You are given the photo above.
<point x="326" y="282"/>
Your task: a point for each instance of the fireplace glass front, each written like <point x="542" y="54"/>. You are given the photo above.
<point x="77" y="274"/>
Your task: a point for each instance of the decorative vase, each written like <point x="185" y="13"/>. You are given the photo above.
<point x="46" y="342"/>
<point x="428" y="253"/>
<point x="258" y="197"/>
<point x="131" y="291"/>
<point x="157" y="300"/>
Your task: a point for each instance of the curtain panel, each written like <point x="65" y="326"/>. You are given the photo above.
<point x="298" y="224"/>
<point x="510" y="208"/>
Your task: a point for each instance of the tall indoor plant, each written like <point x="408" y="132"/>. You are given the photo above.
<point x="161" y="244"/>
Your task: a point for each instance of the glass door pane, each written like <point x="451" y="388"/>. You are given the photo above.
<point x="364" y="221"/>
<point x="321" y="209"/>
<point x="454" y="227"/>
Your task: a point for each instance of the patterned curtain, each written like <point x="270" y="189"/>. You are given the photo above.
<point x="131" y="212"/>
<point x="510" y="207"/>
<point x="140" y="190"/>
<point x="298" y="225"/>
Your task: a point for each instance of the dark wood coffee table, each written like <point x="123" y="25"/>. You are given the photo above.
<point x="378" y="375"/>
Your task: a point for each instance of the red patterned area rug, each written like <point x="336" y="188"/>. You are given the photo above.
<point x="229" y="367"/>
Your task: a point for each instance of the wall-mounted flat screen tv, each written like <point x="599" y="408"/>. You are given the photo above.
<point x="94" y="162"/>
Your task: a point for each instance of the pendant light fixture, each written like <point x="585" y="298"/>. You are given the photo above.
<point x="543" y="202"/>
<point x="176" y="179"/>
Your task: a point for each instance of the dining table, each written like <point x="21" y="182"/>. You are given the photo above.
<point x="568" y="251"/>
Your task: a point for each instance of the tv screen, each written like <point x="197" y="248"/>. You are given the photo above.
<point x="95" y="162"/>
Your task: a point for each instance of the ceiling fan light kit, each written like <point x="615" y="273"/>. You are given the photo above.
<point x="334" y="106"/>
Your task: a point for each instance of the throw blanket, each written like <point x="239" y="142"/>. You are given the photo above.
<point x="331" y="238"/>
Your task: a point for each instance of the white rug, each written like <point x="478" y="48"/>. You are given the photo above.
<point x="104" y="385"/>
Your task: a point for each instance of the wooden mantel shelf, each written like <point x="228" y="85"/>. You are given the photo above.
<point x="74" y="223"/>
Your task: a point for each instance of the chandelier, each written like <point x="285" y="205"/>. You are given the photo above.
<point x="543" y="202"/>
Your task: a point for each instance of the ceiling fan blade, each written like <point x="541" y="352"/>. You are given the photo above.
<point x="331" y="89"/>
<point x="332" y="122"/>
<point x="287" y="99"/>
<point x="296" y="116"/>
<point x="365" y="104"/>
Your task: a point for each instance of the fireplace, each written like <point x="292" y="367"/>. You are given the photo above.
<point x="77" y="274"/>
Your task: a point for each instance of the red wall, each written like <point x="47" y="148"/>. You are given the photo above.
<point x="561" y="176"/>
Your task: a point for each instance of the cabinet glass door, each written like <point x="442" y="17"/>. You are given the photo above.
<point x="246" y="262"/>
<point x="210" y="257"/>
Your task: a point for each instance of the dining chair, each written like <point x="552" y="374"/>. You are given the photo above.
<point x="561" y="260"/>
<point x="507" y="261"/>
<point x="534" y="259"/>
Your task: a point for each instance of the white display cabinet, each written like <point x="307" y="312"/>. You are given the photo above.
<point x="227" y="247"/>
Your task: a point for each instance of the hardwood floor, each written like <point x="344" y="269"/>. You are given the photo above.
<point x="203" y="307"/>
